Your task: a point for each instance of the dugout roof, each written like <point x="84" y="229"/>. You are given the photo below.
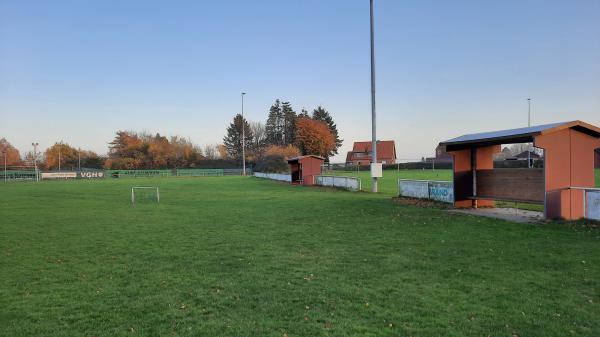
<point x="519" y="135"/>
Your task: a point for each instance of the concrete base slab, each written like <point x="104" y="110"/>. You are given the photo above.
<point x="509" y="214"/>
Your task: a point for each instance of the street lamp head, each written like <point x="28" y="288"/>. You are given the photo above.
<point x="243" y="93"/>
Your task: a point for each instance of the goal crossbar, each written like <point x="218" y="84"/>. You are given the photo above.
<point x="144" y="188"/>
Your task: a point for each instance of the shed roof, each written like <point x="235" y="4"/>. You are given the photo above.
<point x="306" y="156"/>
<point x="520" y="135"/>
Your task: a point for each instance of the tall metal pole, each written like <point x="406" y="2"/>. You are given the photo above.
<point x="5" y="177"/>
<point x="37" y="176"/>
<point x="373" y="115"/>
<point x="243" y="138"/>
<point x="529" y="125"/>
<point x="79" y="159"/>
<point x="59" y="157"/>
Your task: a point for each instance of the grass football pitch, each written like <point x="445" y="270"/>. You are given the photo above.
<point x="235" y="256"/>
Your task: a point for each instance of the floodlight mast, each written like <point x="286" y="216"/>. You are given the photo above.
<point x="529" y="125"/>
<point x="373" y="114"/>
<point x="243" y="138"/>
<point x="4" y="153"/>
<point x="35" y="145"/>
<point x="529" y="111"/>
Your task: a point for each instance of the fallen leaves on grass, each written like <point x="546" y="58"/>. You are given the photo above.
<point x="309" y="278"/>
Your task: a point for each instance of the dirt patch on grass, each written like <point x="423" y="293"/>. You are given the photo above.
<point x="421" y="202"/>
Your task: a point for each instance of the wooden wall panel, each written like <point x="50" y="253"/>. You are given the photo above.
<point x="511" y="184"/>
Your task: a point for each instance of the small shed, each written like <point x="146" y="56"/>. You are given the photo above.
<point x="568" y="167"/>
<point x="304" y="169"/>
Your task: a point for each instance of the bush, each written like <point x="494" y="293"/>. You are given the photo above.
<point x="287" y="152"/>
<point x="275" y="163"/>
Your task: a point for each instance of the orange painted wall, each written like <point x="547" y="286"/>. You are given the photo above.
<point x="484" y="161"/>
<point x="569" y="162"/>
<point x="311" y="167"/>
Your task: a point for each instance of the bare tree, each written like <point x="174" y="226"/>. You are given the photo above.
<point x="259" y="131"/>
<point x="211" y="151"/>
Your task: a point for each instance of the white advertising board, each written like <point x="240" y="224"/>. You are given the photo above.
<point x="91" y="174"/>
<point x="59" y="175"/>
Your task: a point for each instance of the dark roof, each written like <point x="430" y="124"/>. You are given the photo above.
<point x="386" y="149"/>
<point x="528" y="154"/>
<point x="306" y="156"/>
<point x="520" y="135"/>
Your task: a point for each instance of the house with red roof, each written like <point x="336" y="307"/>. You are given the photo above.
<point x="362" y="152"/>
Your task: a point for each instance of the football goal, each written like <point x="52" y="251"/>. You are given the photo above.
<point x="140" y="193"/>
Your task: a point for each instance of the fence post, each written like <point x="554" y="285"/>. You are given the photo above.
<point x="584" y="205"/>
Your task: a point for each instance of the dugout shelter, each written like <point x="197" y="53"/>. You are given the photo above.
<point x="568" y="166"/>
<point x="304" y="169"/>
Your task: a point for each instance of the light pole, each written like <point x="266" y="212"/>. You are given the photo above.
<point x="373" y="115"/>
<point x="4" y="153"/>
<point x="529" y="125"/>
<point x="59" y="146"/>
<point x="243" y="138"/>
<point x="35" y="145"/>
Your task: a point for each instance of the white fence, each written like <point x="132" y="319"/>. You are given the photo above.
<point x="426" y="189"/>
<point x="591" y="202"/>
<point x="274" y="176"/>
<point x="349" y="183"/>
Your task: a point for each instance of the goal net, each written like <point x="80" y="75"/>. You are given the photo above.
<point x="144" y="194"/>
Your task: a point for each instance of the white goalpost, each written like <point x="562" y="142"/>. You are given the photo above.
<point x="134" y="188"/>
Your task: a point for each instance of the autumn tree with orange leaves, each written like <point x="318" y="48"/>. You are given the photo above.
<point x="286" y="152"/>
<point x="70" y="158"/>
<point x="13" y="157"/>
<point x="131" y="150"/>
<point x="314" y="137"/>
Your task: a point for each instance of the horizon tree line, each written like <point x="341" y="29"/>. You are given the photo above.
<point x="314" y="133"/>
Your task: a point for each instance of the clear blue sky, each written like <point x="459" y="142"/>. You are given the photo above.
<point x="78" y="71"/>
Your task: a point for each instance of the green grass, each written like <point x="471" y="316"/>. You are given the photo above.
<point x="388" y="184"/>
<point x="234" y="256"/>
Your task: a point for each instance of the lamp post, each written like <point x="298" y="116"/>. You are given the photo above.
<point x="35" y="145"/>
<point x="59" y="146"/>
<point x="4" y="153"/>
<point x="243" y="138"/>
<point x="373" y="115"/>
<point x="529" y="125"/>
